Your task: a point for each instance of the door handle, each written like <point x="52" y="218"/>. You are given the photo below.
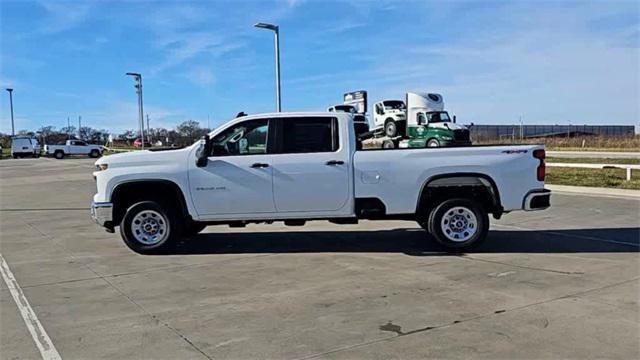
<point x="259" y="165"/>
<point x="335" y="162"/>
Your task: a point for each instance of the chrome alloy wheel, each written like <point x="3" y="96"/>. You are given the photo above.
<point x="459" y="224"/>
<point x="149" y="227"/>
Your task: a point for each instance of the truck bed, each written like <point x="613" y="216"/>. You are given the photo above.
<point x="396" y="176"/>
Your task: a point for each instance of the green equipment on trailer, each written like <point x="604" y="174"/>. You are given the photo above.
<point x="429" y="125"/>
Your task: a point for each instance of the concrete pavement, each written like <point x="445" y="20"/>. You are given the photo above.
<point x="557" y="283"/>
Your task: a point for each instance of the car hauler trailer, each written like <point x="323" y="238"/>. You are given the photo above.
<point x="419" y="121"/>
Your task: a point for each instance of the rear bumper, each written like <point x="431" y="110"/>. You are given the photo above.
<point x="538" y="199"/>
<point x="102" y="214"/>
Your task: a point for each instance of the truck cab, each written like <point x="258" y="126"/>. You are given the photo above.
<point x="390" y="115"/>
<point x="429" y="125"/>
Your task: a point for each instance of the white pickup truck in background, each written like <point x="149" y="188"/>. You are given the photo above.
<point x="295" y="167"/>
<point x="74" y="147"/>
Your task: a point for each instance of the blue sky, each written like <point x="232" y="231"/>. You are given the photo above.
<point x="549" y="61"/>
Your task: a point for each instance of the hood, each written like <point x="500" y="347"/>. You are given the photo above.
<point x="143" y="157"/>
<point x="447" y="125"/>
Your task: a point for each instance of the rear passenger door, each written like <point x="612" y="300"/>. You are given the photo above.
<point x="78" y="147"/>
<point x="310" y="168"/>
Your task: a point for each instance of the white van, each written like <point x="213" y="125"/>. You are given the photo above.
<point x="25" y="146"/>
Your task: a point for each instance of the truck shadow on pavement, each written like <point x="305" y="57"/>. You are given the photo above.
<point x="411" y="242"/>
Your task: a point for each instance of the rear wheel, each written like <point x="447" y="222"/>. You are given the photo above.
<point x="458" y="224"/>
<point x="58" y="154"/>
<point x="94" y="153"/>
<point x="150" y="228"/>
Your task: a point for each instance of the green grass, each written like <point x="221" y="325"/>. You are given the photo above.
<point x="609" y="178"/>
<point x="608" y="149"/>
<point x="592" y="160"/>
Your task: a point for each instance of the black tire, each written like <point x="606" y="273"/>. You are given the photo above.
<point x="390" y="128"/>
<point x="388" y="144"/>
<point x="94" y="153"/>
<point x="460" y="211"/>
<point x="58" y="154"/>
<point x="433" y="143"/>
<point x="15" y="156"/>
<point x="193" y="228"/>
<point x="166" y="217"/>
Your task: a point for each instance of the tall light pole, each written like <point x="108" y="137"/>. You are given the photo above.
<point x="148" y="129"/>
<point x="13" y="129"/>
<point x="138" y="78"/>
<point x="276" y="32"/>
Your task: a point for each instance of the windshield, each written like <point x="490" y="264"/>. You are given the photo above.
<point x="393" y="105"/>
<point x="436" y="117"/>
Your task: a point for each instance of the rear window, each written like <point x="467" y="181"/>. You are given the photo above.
<point x="309" y="135"/>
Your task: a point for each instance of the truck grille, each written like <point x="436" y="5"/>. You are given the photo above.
<point x="461" y="135"/>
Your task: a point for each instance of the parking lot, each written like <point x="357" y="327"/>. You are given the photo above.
<point x="561" y="283"/>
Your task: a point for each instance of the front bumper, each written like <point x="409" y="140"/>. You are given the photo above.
<point x="538" y="199"/>
<point x="102" y="214"/>
<point x="455" y="143"/>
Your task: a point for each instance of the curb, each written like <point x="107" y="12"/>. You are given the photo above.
<point x="595" y="191"/>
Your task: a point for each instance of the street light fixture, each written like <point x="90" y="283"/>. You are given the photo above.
<point x="276" y="32"/>
<point x="13" y="129"/>
<point x="138" y="78"/>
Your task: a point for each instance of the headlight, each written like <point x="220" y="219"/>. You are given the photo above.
<point x="102" y="167"/>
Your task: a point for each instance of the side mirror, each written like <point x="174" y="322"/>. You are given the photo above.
<point x="203" y="154"/>
<point x="454" y="119"/>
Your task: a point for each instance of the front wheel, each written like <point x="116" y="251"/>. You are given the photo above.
<point x="433" y="143"/>
<point x="149" y="228"/>
<point x="94" y="153"/>
<point x="459" y="224"/>
<point x="390" y="128"/>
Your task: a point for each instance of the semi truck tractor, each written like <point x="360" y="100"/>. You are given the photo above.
<point x="419" y="121"/>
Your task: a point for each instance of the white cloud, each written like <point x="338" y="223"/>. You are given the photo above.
<point x="201" y="75"/>
<point x="64" y="15"/>
<point x="551" y="69"/>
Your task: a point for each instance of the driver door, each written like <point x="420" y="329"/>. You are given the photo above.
<point x="238" y="176"/>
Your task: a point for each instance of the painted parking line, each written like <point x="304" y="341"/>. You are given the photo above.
<point x="39" y="335"/>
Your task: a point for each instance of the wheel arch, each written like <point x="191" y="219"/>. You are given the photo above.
<point x="127" y="193"/>
<point x="457" y="180"/>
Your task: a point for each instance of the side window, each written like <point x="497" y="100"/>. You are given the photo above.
<point x="81" y="143"/>
<point x="421" y="119"/>
<point x="309" y="135"/>
<point x="245" y="138"/>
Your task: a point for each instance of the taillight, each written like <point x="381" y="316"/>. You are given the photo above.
<point x="541" y="171"/>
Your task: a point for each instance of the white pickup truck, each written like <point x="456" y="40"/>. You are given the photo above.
<point x="74" y="147"/>
<point x="295" y="167"/>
